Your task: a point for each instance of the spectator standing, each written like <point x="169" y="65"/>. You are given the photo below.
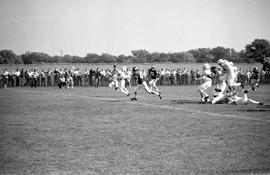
<point x="5" y="78"/>
<point x="22" y="77"/>
<point x="34" y="79"/>
<point x="97" y="77"/>
<point x="43" y="78"/>
<point x="49" y="77"/>
<point x="17" y="74"/>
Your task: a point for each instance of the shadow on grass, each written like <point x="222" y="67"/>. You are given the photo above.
<point x="254" y="110"/>
<point x="186" y="102"/>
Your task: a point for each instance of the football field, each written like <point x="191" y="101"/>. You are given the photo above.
<point x="100" y="131"/>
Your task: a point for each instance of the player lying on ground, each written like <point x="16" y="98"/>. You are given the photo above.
<point x="235" y="99"/>
<point x="142" y="85"/>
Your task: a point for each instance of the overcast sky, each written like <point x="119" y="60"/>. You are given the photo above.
<point x="79" y="27"/>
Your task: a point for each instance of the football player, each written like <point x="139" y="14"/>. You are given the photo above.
<point x="229" y="74"/>
<point x="220" y="84"/>
<point x="237" y="100"/>
<point x="142" y="85"/>
<point x="154" y="76"/>
<point x="122" y="81"/>
<point x="207" y="82"/>
<point x="255" y="78"/>
<point x="114" y="78"/>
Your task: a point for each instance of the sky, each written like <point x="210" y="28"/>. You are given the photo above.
<point x="78" y="27"/>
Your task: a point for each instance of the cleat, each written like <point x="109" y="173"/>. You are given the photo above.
<point x="260" y="103"/>
<point x="117" y="88"/>
<point x="253" y="88"/>
<point x="133" y="99"/>
<point x="160" y="95"/>
<point x="206" y="99"/>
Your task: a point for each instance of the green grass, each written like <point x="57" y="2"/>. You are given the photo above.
<point x="100" y="131"/>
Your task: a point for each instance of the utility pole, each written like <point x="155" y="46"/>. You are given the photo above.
<point x="61" y="51"/>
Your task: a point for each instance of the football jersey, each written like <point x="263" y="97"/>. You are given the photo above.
<point x="139" y="77"/>
<point x="207" y="75"/>
<point x="121" y="75"/>
<point x="153" y="73"/>
<point x="255" y="74"/>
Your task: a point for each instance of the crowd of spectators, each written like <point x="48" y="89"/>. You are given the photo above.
<point x="102" y="77"/>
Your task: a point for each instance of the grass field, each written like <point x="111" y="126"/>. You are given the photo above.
<point x="100" y="131"/>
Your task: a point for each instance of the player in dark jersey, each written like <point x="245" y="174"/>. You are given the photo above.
<point x="255" y="78"/>
<point x="266" y="64"/>
<point x="154" y="76"/>
<point x="142" y="85"/>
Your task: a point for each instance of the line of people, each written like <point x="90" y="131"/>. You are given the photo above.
<point x="101" y="77"/>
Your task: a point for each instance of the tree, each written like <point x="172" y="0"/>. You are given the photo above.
<point x="91" y="58"/>
<point x="201" y="55"/>
<point x="107" y="58"/>
<point x="36" y="57"/>
<point x="257" y="50"/>
<point x="9" y="57"/>
<point x="220" y="53"/>
<point x="140" y="56"/>
<point x="121" y="59"/>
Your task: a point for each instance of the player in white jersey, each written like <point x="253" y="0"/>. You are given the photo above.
<point x="220" y="84"/>
<point x="114" y="78"/>
<point x="122" y="81"/>
<point x="238" y="100"/>
<point x="207" y="82"/>
<point x="129" y="74"/>
<point x="229" y="74"/>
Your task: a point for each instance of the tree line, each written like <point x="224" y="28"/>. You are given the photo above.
<point x="253" y="52"/>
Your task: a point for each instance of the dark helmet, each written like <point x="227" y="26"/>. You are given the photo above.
<point x="255" y="69"/>
<point x="134" y="69"/>
<point x="214" y="69"/>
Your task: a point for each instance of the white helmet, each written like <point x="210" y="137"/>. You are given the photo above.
<point x="220" y="61"/>
<point x="206" y="66"/>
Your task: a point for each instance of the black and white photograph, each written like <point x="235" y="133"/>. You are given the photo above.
<point x="134" y="87"/>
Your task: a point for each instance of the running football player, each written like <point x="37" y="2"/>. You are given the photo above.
<point x="142" y="85"/>
<point x="154" y="76"/>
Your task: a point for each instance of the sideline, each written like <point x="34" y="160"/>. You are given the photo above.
<point x="145" y="104"/>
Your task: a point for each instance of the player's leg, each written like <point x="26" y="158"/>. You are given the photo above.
<point x="147" y="89"/>
<point x="155" y="85"/>
<point x="248" y="100"/>
<point x="219" y="92"/>
<point x="122" y="87"/>
<point x="202" y="88"/>
<point x="151" y="82"/>
<point x="136" y="90"/>
<point x="254" y="84"/>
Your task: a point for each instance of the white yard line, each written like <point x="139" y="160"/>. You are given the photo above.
<point x="148" y="105"/>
